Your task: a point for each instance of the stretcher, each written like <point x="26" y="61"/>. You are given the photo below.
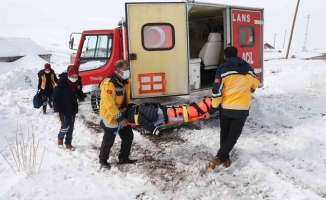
<point x="175" y="116"/>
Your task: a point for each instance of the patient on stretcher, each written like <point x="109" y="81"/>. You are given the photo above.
<point x="149" y="116"/>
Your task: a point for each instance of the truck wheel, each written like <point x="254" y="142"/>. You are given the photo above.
<point x="95" y="100"/>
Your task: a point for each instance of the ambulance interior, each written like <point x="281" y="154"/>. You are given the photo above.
<point x="206" y="44"/>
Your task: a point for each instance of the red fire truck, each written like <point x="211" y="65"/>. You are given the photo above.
<point x="173" y="48"/>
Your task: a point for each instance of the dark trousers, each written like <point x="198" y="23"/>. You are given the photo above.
<point x="126" y="134"/>
<point x="67" y="127"/>
<point x="231" y="129"/>
<point x="46" y="98"/>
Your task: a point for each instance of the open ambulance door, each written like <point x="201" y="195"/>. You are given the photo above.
<point x="247" y="35"/>
<point x="158" y="48"/>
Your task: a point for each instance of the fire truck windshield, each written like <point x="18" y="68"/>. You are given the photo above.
<point x="96" y="51"/>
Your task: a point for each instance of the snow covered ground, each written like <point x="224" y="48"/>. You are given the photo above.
<point x="280" y="155"/>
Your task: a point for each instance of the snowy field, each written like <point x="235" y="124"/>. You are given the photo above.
<point x="280" y="155"/>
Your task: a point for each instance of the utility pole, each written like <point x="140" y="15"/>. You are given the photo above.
<point x="306" y="35"/>
<point x="290" y="40"/>
<point x="274" y="39"/>
<point x="284" y="39"/>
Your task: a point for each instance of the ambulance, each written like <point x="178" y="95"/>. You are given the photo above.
<point x="173" y="48"/>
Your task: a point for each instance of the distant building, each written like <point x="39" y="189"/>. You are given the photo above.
<point x="268" y="46"/>
<point x="13" y="48"/>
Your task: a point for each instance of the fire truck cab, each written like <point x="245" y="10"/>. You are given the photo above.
<point x="173" y="48"/>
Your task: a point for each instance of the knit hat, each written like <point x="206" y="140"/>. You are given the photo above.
<point x="47" y="66"/>
<point x="71" y="70"/>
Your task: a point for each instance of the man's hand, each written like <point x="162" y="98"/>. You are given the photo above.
<point x="252" y="90"/>
<point x="123" y="123"/>
<point x="122" y="109"/>
<point x="207" y="115"/>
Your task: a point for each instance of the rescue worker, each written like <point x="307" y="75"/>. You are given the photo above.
<point x="46" y="82"/>
<point x="234" y="81"/>
<point x="67" y="92"/>
<point x="115" y="97"/>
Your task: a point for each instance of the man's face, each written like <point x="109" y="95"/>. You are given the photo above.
<point x="124" y="68"/>
<point x="124" y="71"/>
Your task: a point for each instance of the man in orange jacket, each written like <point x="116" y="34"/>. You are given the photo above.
<point x="234" y="82"/>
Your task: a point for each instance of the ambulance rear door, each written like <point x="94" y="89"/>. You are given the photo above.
<point x="247" y="35"/>
<point x="158" y="48"/>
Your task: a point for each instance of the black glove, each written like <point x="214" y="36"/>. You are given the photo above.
<point x="130" y="105"/>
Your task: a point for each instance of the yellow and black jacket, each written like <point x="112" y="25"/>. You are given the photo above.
<point x="46" y="81"/>
<point x="115" y="94"/>
<point x="232" y="88"/>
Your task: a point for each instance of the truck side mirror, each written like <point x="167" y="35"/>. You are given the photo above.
<point x="71" y="43"/>
<point x="72" y="39"/>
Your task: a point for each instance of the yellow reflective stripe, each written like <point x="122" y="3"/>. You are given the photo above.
<point x="233" y="107"/>
<point x="185" y="113"/>
<point x="52" y="80"/>
<point x="43" y="82"/>
<point x="136" y="119"/>
<point x="136" y="115"/>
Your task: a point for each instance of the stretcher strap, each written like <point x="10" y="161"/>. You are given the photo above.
<point x="118" y="129"/>
<point x="185" y="112"/>
<point x="171" y="119"/>
<point x="165" y="113"/>
<point x="206" y="103"/>
<point x="136" y="114"/>
<point x="175" y="111"/>
<point x="199" y="110"/>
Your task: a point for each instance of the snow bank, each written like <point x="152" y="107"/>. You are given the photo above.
<point x="22" y="74"/>
<point x="11" y="47"/>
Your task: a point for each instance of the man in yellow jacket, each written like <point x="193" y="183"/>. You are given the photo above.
<point x="115" y="97"/>
<point x="234" y="82"/>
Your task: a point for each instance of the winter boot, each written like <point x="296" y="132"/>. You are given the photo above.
<point x="70" y="147"/>
<point x="60" y="144"/>
<point x="50" y="104"/>
<point x="126" y="161"/>
<point x="105" y="164"/>
<point x="216" y="161"/>
<point x="212" y="164"/>
<point x="226" y="164"/>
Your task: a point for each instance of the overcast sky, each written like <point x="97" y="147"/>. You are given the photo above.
<point x="52" y="21"/>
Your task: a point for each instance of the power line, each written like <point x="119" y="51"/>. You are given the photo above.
<point x="306" y="35"/>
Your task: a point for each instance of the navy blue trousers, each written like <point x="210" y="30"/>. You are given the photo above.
<point x="126" y="134"/>
<point x="67" y="127"/>
<point x="231" y="129"/>
<point x="46" y="97"/>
